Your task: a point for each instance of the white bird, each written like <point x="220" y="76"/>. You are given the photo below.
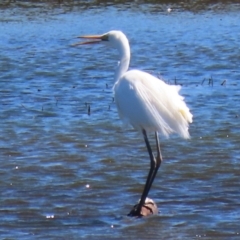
<point x="146" y="102"/>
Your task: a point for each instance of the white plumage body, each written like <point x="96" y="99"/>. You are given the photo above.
<point x="147" y="102"/>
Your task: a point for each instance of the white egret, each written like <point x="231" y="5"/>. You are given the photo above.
<point x="146" y="102"/>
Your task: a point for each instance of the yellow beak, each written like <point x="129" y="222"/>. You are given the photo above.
<point x="92" y="38"/>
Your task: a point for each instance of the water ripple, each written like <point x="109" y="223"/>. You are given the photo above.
<point x="69" y="169"/>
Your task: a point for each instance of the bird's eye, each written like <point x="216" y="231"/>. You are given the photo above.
<point x="105" y="38"/>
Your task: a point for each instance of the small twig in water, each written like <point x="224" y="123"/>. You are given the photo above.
<point x="89" y="110"/>
<point x="210" y="82"/>
<point x="56" y="101"/>
<point x="224" y="82"/>
<point x="23" y="106"/>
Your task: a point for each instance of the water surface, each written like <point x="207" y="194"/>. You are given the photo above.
<point x="67" y="174"/>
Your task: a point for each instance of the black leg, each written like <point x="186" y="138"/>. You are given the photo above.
<point x="158" y="160"/>
<point x="154" y="166"/>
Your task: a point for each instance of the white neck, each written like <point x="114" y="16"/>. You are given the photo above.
<point x="124" y="52"/>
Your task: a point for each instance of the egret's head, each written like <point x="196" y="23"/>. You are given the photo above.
<point x="116" y="39"/>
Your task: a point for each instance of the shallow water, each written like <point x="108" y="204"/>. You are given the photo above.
<point x="65" y="173"/>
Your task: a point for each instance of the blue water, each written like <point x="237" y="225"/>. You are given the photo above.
<point x="69" y="174"/>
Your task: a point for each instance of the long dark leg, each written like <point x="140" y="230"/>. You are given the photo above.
<point x="154" y="166"/>
<point x="137" y="209"/>
<point x="158" y="160"/>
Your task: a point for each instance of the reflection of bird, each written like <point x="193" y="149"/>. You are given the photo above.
<point x="146" y="102"/>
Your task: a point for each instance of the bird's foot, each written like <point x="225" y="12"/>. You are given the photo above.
<point x="149" y="208"/>
<point x="135" y="212"/>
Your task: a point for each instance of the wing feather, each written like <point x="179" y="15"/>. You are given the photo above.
<point x="147" y="102"/>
